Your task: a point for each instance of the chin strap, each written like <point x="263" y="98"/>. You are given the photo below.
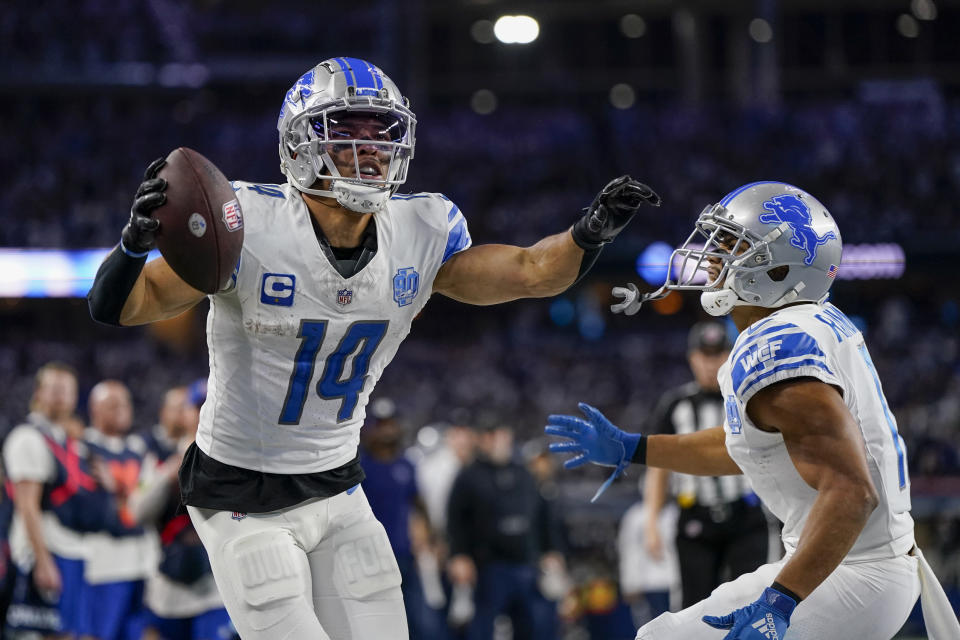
<point x="719" y="303"/>
<point x="358" y="198"/>
<point x="790" y="296"/>
<point x="353" y="196"/>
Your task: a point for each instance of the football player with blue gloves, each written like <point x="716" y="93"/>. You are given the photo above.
<point x="768" y="617"/>
<point x="594" y="440"/>
<point x="805" y="420"/>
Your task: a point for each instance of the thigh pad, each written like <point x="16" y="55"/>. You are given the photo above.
<point x="265" y="567"/>
<point x="364" y="563"/>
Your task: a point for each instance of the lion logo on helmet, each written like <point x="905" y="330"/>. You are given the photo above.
<point x="790" y="209"/>
<point x="297" y="93"/>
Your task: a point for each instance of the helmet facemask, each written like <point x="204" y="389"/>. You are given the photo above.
<point x="765" y="244"/>
<point x="323" y="134"/>
<point x="346" y="132"/>
<point x="727" y="262"/>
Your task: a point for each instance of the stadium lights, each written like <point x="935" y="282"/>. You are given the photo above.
<point x="516" y="29"/>
<point x="50" y="273"/>
<point x="622" y="96"/>
<point x="923" y="9"/>
<point x="482" y="31"/>
<point x="60" y="273"/>
<point x="760" y="31"/>
<point x="633" y="26"/>
<point x="908" y="26"/>
<point x="483" y="102"/>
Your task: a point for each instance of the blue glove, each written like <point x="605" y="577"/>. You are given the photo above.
<point x="765" y="619"/>
<point x="595" y="440"/>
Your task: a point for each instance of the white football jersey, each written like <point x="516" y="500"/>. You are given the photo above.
<point x="295" y="348"/>
<point x="818" y="341"/>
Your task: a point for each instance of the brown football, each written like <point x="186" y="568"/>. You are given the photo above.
<point x="201" y="224"/>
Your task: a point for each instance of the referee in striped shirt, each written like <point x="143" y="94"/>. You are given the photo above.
<point x="722" y="531"/>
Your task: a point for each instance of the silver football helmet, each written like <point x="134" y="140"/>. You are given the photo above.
<point x="765" y="244"/>
<point x="316" y="123"/>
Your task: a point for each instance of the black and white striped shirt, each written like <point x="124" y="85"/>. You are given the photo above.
<point x="687" y="409"/>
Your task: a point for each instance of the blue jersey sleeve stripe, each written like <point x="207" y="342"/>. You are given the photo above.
<point x="747" y="341"/>
<point x="750" y="335"/>
<point x="457" y="240"/>
<point x="775" y="350"/>
<point x="746" y="379"/>
<point x="780" y="369"/>
<point x="752" y="344"/>
<point x="453" y="212"/>
<point x="741" y="377"/>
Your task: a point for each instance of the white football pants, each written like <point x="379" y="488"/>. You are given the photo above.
<point x="322" y="570"/>
<point x="858" y="601"/>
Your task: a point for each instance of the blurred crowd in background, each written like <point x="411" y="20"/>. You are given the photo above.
<point x="516" y="178"/>
<point x="517" y="173"/>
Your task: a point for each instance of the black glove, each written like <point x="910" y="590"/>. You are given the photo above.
<point x="610" y="212"/>
<point x="139" y="236"/>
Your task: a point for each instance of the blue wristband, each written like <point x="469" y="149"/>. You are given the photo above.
<point x="133" y="254"/>
<point x="779" y="601"/>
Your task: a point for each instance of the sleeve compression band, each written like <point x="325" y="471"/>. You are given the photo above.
<point x="640" y="453"/>
<point x="113" y="284"/>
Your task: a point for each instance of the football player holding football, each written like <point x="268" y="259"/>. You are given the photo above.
<point x="334" y="268"/>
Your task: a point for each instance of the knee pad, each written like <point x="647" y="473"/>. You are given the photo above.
<point x="364" y="563"/>
<point x="265" y="572"/>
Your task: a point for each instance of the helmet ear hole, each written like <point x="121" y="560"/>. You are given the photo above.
<point x="779" y="274"/>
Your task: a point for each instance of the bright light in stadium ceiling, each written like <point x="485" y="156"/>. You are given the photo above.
<point x="516" y="29"/>
<point x="908" y="26"/>
<point x="923" y="9"/>
<point x="760" y="30"/>
<point x="482" y="31"/>
<point x="483" y="102"/>
<point x="633" y="26"/>
<point x="622" y="96"/>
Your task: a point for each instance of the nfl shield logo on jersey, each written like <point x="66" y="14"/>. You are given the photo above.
<point x="232" y="216"/>
<point x="405" y="286"/>
<point x="239" y="515"/>
<point x="344" y="297"/>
